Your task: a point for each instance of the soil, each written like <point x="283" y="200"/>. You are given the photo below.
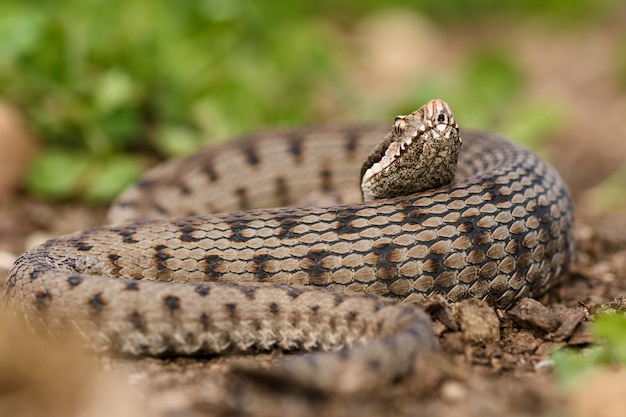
<point x="492" y="364"/>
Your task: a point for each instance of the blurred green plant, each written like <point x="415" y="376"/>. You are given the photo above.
<point x="609" y="194"/>
<point x="621" y="65"/>
<point x="563" y="11"/>
<point x="571" y="367"/>
<point x="488" y="93"/>
<point x="95" y="79"/>
<point x="105" y="83"/>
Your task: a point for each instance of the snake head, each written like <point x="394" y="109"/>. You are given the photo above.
<point x="419" y="153"/>
<point x="435" y="114"/>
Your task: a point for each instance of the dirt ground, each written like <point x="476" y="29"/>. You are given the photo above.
<point x="503" y="369"/>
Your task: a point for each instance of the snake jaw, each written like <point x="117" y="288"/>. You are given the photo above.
<point x="419" y="153"/>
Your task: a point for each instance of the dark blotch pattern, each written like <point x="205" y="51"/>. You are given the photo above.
<point x="186" y="234"/>
<point x="113" y="257"/>
<point x="413" y="215"/>
<point x="313" y="265"/>
<point x="127" y="204"/>
<point x="160" y="259"/>
<point x="251" y="153"/>
<point x="293" y="292"/>
<point x="332" y="323"/>
<point x="137" y="321"/>
<point x="212" y="264"/>
<point x="352" y="141"/>
<point x="379" y="305"/>
<point x="127" y="233"/>
<point x="96" y="303"/>
<point x="339" y="298"/>
<point x="242" y="196"/>
<point x="295" y="148"/>
<point x="172" y="303"/>
<point x="284" y="230"/>
<point x="343" y="222"/>
<point x="159" y="209"/>
<point x="352" y="315"/>
<point x="182" y="187"/>
<point x="210" y="172"/>
<point x="374" y="365"/>
<point x="231" y="308"/>
<point x="248" y="291"/>
<point x="282" y="191"/>
<point x="145" y="184"/>
<point x="260" y="269"/>
<point x="42" y="300"/>
<point x="81" y="246"/>
<point x="326" y="180"/>
<point x="202" y="290"/>
<point x="237" y="227"/>
<point x="74" y="280"/>
<point x="386" y="267"/>
<point x="204" y="321"/>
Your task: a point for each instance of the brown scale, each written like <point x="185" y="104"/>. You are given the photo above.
<point x="273" y="277"/>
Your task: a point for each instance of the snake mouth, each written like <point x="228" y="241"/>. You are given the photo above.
<point x="392" y="149"/>
<point x="433" y="122"/>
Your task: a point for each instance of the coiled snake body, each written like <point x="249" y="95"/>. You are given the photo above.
<point x="274" y="277"/>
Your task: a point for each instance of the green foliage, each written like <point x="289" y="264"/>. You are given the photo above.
<point x="488" y="93"/>
<point x="96" y="178"/>
<point x="96" y="78"/>
<point x="563" y="11"/>
<point x="110" y="76"/>
<point x="609" y="194"/>
<point x="72" y="165"/>
<point x="99" y="78"/>
<point x="572" y="367"/>
<point x="621" y="65"/>
<point x="552" y="11"/>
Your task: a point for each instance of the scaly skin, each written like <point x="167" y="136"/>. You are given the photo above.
<point x="267" y="278"/>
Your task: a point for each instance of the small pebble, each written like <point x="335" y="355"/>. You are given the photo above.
<point x="479" y="322"/>
<point x="453" y="391"/>
<point x="531" y="313"/>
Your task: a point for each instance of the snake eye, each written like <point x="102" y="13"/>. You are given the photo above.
<point x="441" y="118"/>
<point x="399" y="126"/>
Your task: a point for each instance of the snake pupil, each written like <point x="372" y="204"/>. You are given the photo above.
<point x="399" y="126"/>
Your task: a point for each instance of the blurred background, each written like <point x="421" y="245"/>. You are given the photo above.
<point x="95" y="91"/>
